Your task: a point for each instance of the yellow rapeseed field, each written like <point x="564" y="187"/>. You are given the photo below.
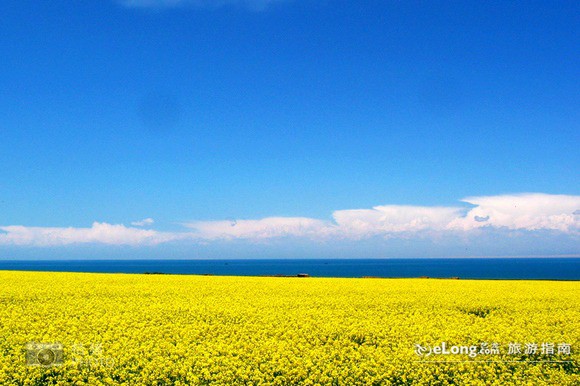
<point x="178" y="330"/>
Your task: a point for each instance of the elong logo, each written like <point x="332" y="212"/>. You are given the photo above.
<point x="472" y="350"/>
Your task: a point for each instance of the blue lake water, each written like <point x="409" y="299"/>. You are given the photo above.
<point x="480" y="268"/>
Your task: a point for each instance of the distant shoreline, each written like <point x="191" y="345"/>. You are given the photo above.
<point x="473" y="269"/>
<point x="293" y="276"/>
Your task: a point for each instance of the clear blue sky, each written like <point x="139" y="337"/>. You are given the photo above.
<point x="115" y="111"/>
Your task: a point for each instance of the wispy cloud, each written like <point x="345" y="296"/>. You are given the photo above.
<point x="255" y="5"/>
<point x="266" y="228"/>
<point x="497" y="215"/>
<point x="100" y="233"/>
<point x="393" y="220"/>
<point x="143" y="223"/>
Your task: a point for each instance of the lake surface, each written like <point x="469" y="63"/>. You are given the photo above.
<point x="473" y="268"/>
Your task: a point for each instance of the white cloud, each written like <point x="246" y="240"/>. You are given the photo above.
<point x="529" y="211"/>
<point x="256" y="5"/>
<point x="266" y="228"/>
<point x="392" y="220"/>
<point x="101" y="233"/>
<point x="143" y="223"/>
<point x="504" y="215"/>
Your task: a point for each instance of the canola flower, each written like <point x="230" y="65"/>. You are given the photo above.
<point x="205" y="330"/>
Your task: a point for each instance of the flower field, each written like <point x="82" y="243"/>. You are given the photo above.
<point x="178" y="330"/>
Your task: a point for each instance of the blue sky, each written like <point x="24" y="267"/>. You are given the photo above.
<point x="254" y="128"/>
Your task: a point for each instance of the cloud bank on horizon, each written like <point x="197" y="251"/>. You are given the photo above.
<point x="530" y="212"/>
